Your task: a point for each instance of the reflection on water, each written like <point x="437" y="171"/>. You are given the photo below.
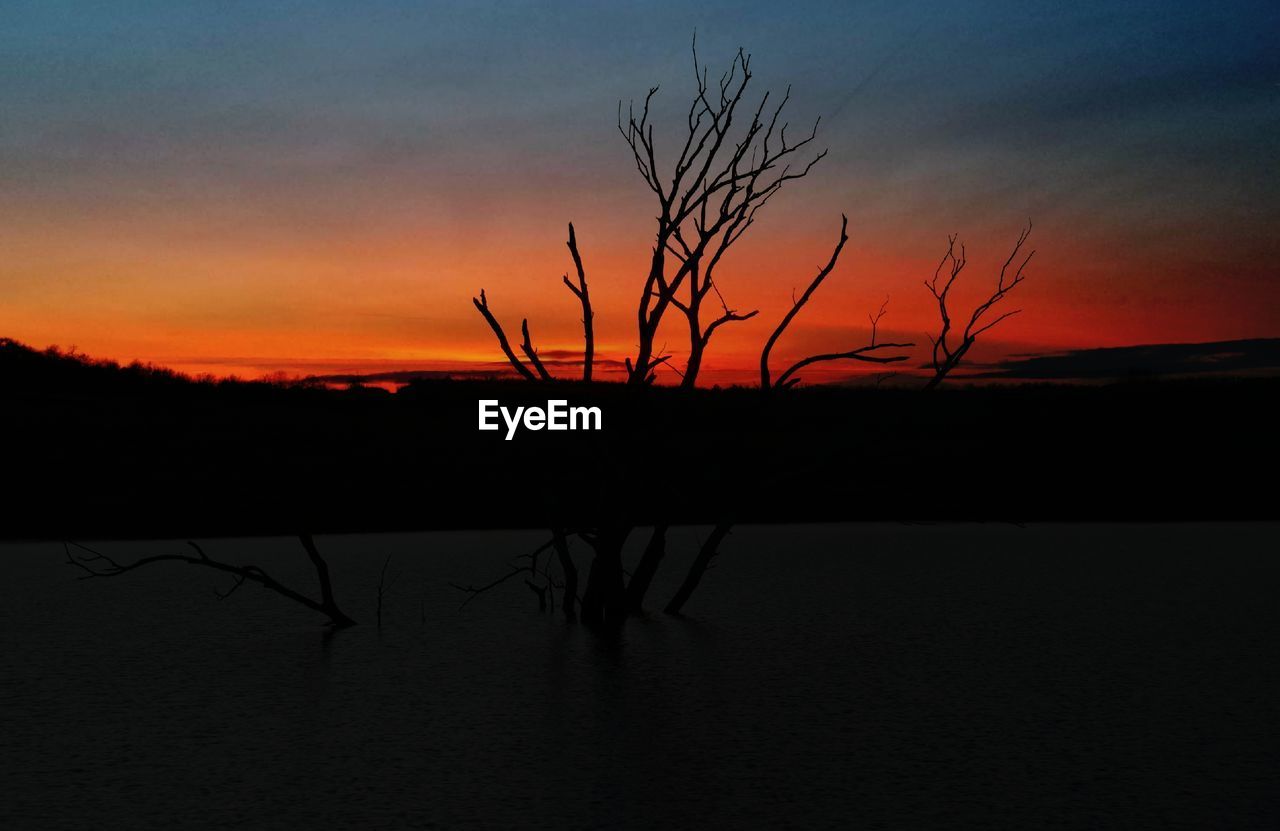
<point x="916" y="675"/>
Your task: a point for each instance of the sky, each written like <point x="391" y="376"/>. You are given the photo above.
<point x="320" y="187"/>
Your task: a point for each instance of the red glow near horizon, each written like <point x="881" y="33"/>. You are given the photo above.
<point x="377" y="305"/>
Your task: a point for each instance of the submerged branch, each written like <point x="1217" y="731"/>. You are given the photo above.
<point x="96" y="564"/>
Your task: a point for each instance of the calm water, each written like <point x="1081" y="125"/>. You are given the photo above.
<point x="1050" y="676"/>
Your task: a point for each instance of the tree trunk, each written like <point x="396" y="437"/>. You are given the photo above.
<point x="940" y="373"/>
<point x="327" y="603"/>
<point x="705" y="555"/>
<point x="696" y="347"/>
<point x="638" y="587"/>
<point x="650" y="317"/>
<point x="605" y="600"/>
<point x="570" y="600"/>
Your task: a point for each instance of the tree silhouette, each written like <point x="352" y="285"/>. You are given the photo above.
<point x="732" y="159"/>
<point x="946" y="356"/>
<point x="729" y="159"/>
<point x="721" y="178"/>
<point x="863" y="353"/>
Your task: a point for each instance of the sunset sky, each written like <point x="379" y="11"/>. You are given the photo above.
<point x="314" y="187"/>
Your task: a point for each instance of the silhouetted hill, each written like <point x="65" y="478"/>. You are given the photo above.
<point x="97" y="449"/>
<point x="1257" y="355"/>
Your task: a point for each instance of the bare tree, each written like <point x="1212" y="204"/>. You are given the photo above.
<point x="96" y="564"/>
<point x="863" y="353"/>
<point x="720" y="178"/>
<point x="732" y="159"/>
<point x="946" y="356"/>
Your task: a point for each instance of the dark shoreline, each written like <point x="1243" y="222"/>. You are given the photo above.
<point x="110" y="452"/>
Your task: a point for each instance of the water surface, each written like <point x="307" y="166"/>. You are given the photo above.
<point x="1047" y="676"/>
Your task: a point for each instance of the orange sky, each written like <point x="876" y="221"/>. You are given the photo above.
<point x="363" y="299"/>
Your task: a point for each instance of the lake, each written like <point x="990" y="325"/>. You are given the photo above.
<point x="824" y="676"/>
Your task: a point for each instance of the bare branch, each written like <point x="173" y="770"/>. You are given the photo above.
<point x="530" y="568"/>
<point x="797" y="305"/>
<point x="729" y="316"/>
<point x="706" y="553"/>
<point x="876" y="318"/>
<point x="475" y="591"/>
<point x="865" y="353"/>
<point x="860" y="354"/>
<point x="526" y="346"/>
<point x="638" y="585"/>
<point x="482" y="306"/>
